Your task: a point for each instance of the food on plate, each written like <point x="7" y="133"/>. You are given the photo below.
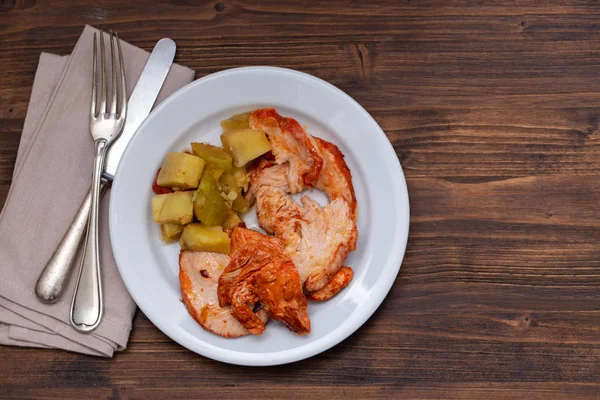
<point x="210" y="207"/>
<point x="199" y="273"/>
<point x="213" y="154"/>
<point x="318" y="239"/>
<point x="335" y="179"/>
<point x="232" y="221"/>
<point x="340" y="280"/>
<point x="170" y="232"/>
<point x="241" y="204"/>
<point x="245" y="144"/>
<point x="259" y="271"/>
<point x="213" y="170"/>
<point x="239" y="121"/>
<point x="160" y="189"/>
<point x="173" y="207"/>
<point x="157" y="203"/>
<point x="205" y="238"/>
<point x="229" y="184"/>
<point x="180" y="170"/>
<point x="265" y="173"/>
<point x="233" y="278"/>
<point x="207" y="178"/>
<point x="290" y="144"/>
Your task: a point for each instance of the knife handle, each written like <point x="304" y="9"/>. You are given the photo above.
<point x="57" y="271"/>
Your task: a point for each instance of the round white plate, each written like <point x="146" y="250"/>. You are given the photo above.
<point x="150" y="268"/>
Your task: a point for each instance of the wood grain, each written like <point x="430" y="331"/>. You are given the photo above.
<point x="492" y="108"/>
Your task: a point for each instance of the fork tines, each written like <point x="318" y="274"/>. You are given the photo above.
<point x="102" y="111"/>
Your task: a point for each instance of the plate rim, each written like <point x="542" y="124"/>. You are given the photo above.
<point x="384" y="283"/>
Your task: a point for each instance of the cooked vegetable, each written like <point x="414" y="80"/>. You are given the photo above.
<point x="214" y="170"/>
<point x="241" y="177"/>
<point x="234" y="182"/>
<point x="205" y="238"/>
<point x="228" y="184"/>
<point x="220" y="178"/>
<point x="240" y="204"/>
<point x="209" y="206"/>
<point x="180" y="170"/>
<point x="170" y="232"/>
<point x="159" y="189"/>
<point x="239" y="121"/>
<point x="245" y="145"/>
<point x="207" y="183"/>
<point x="213" y="154"/>
<point x="177" y="207"/>
<point x="157" y="203"/>
<point x="232" y="221"/>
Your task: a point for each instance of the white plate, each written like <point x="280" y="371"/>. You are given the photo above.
<point x="150" y="269"/>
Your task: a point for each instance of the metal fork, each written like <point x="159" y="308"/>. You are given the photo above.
<point x="105" y="125"/>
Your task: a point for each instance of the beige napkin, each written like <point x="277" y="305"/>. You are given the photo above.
<point x="51" y="177"/>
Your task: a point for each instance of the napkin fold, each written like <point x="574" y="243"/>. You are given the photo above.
<point x="52" y="175"/>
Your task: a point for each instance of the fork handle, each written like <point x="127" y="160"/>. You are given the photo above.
<point x="57" y="271"/>
<point x="86" y="308"/>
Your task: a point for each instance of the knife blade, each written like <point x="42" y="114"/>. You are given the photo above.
<point x="55" y="274"/>
<point x="142" y="99"/>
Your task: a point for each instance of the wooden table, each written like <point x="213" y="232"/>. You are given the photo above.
<point x="494" y="113"/>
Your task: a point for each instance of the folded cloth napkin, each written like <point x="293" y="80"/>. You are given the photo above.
<point x="51" y="177"/>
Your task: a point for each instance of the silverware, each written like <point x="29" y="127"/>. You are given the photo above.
<point x="105" y="126"/>
<point x="55" y="274"/>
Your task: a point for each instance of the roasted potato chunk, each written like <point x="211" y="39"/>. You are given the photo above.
<point x="245" y="145"/>
<point x="205" y="238"/>
<point x="157" y="203"/>
<point x="239" y="121"/>
<point x="213" y="154"/>
<point x="209" y="206"/>
<point x="170" y="232"/>
<point x="219" y="177"/>
<point x="177" y="208"/>
<point x="240" y="204"/>
<point x="180" y="170"/>
<point x="232" y="221"/>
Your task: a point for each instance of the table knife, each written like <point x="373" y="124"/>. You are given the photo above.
<point x="55" y="274"/>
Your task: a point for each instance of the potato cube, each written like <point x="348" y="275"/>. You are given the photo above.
<point x="202" y="238"/>
<point x="180" y="170"/>
<point x="170" y="232"/>
<point x="239" y="121"/>
<point x="177" y="208"/>
<point x="157" y="203"/>
<point x="213" y="154"/>
<point x="232" y="220"/>
<point x="245" y="145"/>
